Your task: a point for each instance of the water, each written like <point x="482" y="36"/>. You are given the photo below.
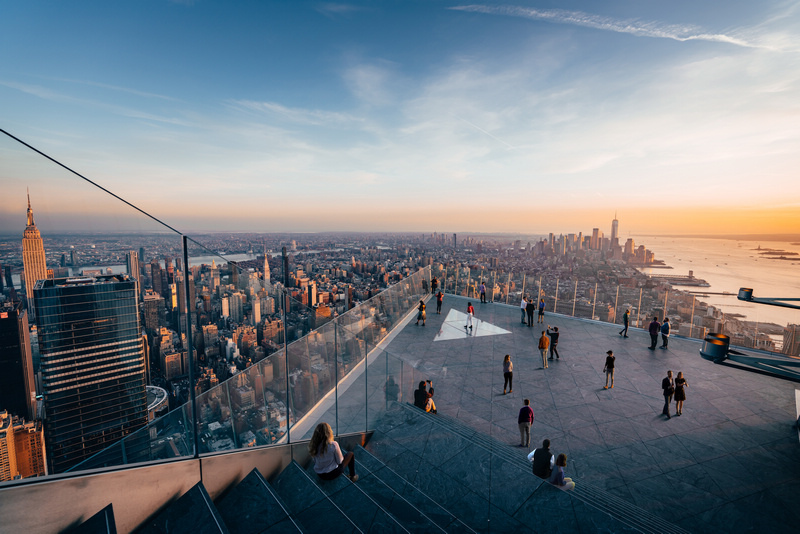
<point x="728" y="265"/>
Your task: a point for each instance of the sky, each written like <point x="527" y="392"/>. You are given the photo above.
<point x="534" y="117"/>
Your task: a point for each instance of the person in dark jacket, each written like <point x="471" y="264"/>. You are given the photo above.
<point x="525" y="420"/>
<point x="625" y="319"/>
<point x="553" y="334"/>
<point x="529" y="309"/>
<point x="543" y="460"/>
<point x="423" y="398"/>
<point x="654" y="329"/>
<point x="668" y="385"/>
<point x="665" y="333"/>
<point x="608" y="368"/>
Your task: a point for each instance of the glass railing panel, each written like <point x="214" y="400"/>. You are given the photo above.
<point x="583" y="298"/>
<point x="390" y="306"/>
<point x="548" y="292"/>
<point x="378" y="386"/>
<point x="652" y="305"/>
<point x="604" y="308"/>
<point x="302" y="394"/>
<point x="438" y="277"/>
<point x="83" y="233"/>
<point x="215" y="420"/>
<point x="351" y="392"/>
<point x="628" y="300"/>
<point x="516" y="288"/>
<point x="449" y="278"/>
<point x="502" y="284"/>
<point x="563" y="296"/>
<point x="248" y="403"/>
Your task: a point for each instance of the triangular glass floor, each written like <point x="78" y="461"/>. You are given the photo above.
<point x="453" y="327"/>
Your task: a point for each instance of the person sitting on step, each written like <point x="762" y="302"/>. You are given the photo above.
<point x="542" y="460"/>
<point x="329" y="462"/>
<point x="423" y="398"/>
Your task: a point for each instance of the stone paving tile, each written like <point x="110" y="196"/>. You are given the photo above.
<point x="617" y="439"/>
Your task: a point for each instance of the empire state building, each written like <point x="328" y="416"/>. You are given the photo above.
<point x="33" y="259"/>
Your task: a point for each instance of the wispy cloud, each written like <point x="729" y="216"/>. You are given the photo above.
<point x="118" y="88"/>
<point x="330" y="9"/>
<point x="640" y="28"/>
<point x="54" y="96"/>
<point x="297" y="115"/>
<point x="486" y="133"/>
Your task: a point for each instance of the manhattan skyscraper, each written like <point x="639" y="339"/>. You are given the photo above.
<point x="33" y="258"/>
<point x="92" y="361"/>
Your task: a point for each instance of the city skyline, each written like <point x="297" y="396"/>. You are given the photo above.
<point x="411" y="117"/>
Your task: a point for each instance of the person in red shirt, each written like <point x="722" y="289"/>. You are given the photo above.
<point x="470" y="314"/>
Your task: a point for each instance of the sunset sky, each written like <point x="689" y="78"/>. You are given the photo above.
<point x="681" y="117"/>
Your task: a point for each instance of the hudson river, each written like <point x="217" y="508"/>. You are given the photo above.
<point x="728" y="265"/>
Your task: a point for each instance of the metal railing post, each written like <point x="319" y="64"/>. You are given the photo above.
<point x="189" y="348"/>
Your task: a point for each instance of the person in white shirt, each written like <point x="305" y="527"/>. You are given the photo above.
<point x="329" y="462"/>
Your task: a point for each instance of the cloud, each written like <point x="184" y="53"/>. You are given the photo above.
<point x="331" y="9"/>
<point x="370" y="83"/>
<point x="297" y="115"/>
<point x="677" y="32"/>
<point x="118" y="88"/>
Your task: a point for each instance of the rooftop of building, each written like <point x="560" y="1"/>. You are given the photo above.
<point x="76" y="281"/>
<point x="729" y="463"/>
<point x="155" y="396"/>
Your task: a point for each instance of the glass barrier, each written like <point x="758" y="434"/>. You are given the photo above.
<point x="605" y="299"/>
<point x="89" y="246"/>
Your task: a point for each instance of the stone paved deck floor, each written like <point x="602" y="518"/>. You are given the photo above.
<point x="730" y="463"/>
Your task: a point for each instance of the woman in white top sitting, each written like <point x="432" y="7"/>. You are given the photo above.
<point x="328" y="460"/>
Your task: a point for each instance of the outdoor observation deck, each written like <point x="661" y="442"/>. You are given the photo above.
<point x="730" y="463"/>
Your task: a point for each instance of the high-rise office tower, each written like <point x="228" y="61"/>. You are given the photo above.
<point x="1" y="279"/>
<point x="615" y="231"/>
<point x="21" y="448"/>
<point x="132" y="262"/>
<point x="285" y="267"/>
<point x="155" y="276"/>
<point x="7" y="276"/>
<point x="29" y="448"/>
<point x="92" y="362"/>
<point x="266" y="267"/>
<point x="213" y="282"/>
<point x="17" y="389"/>
<point x="153" y="311"/>
<point x="594" y="243"/>
<point x="33" y="258"/>
<point x="8" y="456"/>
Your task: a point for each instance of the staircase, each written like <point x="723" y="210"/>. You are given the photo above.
<point x="627" y="513"/>
<point x="419" y="473"/>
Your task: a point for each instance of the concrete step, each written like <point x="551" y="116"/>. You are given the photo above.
<point x="308" y="505"/>
<point x="192" y="513"/>
<point x="427" y="507"/>
<point x="357" y="503"/>
<point x="253" y="507"/>
<point x="100" y="523"/>
<point x="597" y="498"/>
